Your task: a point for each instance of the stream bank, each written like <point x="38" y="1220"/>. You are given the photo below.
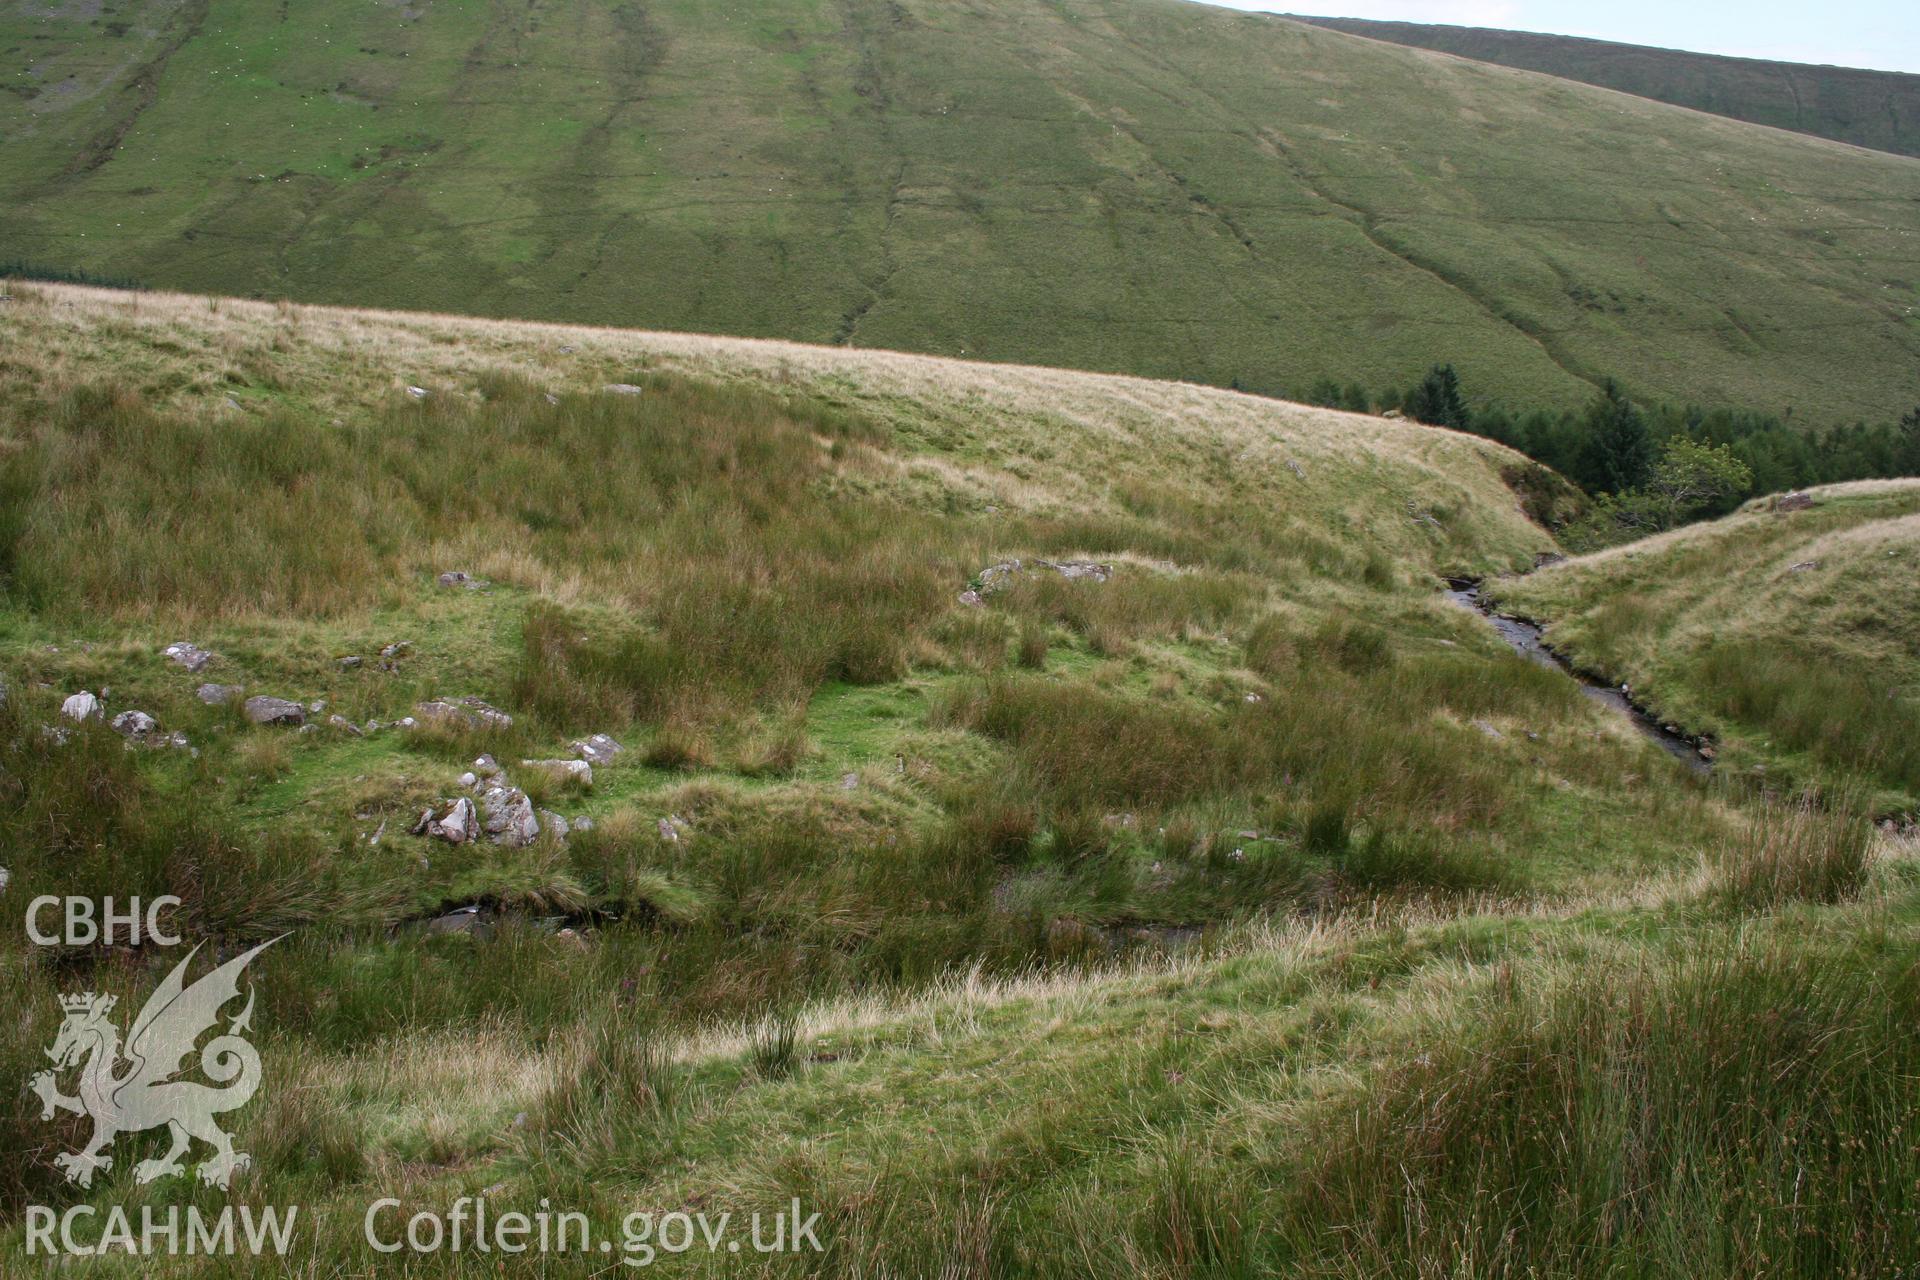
<point x="1526" y="639"/>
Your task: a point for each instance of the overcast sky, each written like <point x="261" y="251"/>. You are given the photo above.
<point x="1851" y="33"/>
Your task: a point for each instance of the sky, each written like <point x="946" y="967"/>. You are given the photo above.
<point x="1884" y="34"/>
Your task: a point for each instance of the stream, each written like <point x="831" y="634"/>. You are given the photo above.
<point x="1525" y="639"/>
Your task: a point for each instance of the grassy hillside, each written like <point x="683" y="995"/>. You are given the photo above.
<point x="1877" y="109"/>
<point x="1793" y="635"/>
<point x="1142" y="186"/>
<point x="1198" y="911"/>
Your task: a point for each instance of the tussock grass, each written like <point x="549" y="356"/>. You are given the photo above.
<point x="1744" y="1107"/>
<point x="1805" y="851"/>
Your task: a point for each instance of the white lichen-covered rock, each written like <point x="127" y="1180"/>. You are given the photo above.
<point x="345" y="725"/>
<point x="459" y="825"/>
<point x="509" y="817"/>
<point x="215" y="694"/>
<point x="599" y="749"/>
<point x="190" y="656"/>
<point x="556" y="824"/>
<point x="82" y="706"/>
<point x="624" y="389"/>
<point x="135" y="724"/>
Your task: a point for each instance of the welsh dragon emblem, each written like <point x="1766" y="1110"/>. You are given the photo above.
<point x="139" y="1093"/>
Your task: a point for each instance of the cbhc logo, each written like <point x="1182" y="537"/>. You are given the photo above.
<point x="85" y="926"/>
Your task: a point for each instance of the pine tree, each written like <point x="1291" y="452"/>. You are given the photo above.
<point x="1436" y="401"/>
<point x="1619" y="447"/>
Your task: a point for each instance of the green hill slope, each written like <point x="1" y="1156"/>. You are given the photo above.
<point x="1877" y="109"/>
<point x="1128" y="185"/>
<point x="1793" y="634"/>
<point x="1205" y="895"/>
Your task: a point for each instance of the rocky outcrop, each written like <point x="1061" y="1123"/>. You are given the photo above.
<point x="509" y="816"/>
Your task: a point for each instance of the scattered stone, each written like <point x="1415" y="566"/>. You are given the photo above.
<point x="572" y="939"/>
<point x="134" y="724"/>
<point x="1707" y="753"/>
<point x="849" y="782"/>
<point x="558" y="825"/>
<point x="1792" y="502"/>
<point x="405" y="722"/>
<point x="316" y="706"/>
<point x="418" y="393"/>
<point x="599" y="749"/>
<point x="82" y="706"/>
<point x="510" y="819"/>
<point x="1805" y="566"/>
<point x="349" y="663"/>
<point x="624" y="389"/>
<point x="1488" y="729"/>
<point x="215" y="694"/>
<point x="399" y="648"/>
<point x="425" y="820"/>
<point x="1394" y="415"/>
<point x="341" y="722"/>
<point x="456" y="578"/>
<point x="563" y="770"/>
<point x="672" y="827"/>
<point x="190" y="656"/>
<point x="6" y="878"/>
<point x="1254" y="697"/>
<point x="1299" y="472"/>
<point x="265" y="710"/>
<point x="552" y="398"/>
<point x="971" y="599"/>
<point x="459" y="825"/>
<point x="1546" y="559"/>
<point x="468" y="781"/>
<point x="486" y="766"/>
<point x="582" y="824"/>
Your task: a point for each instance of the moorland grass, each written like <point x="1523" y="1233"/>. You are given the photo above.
<point x="1272" y="204"/>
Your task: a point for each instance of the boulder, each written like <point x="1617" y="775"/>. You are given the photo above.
<point x="265" y="710"/>
<point x="459" y="825"/>
<point x="510" y="819"/>
<point x="215" y="694"/>
<point x="134" y="724"/>
<point x="351" y="662"/>
<point x="1792" y="502"/>
<point x="555" y="823"/>
<point x="623" y="389"/>
<point x="82" y="706"/>
<point x="190" y="656"/>
<point x="599" y="749"/>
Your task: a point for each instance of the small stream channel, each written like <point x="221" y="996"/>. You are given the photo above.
<point x="1524" y="639"/>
